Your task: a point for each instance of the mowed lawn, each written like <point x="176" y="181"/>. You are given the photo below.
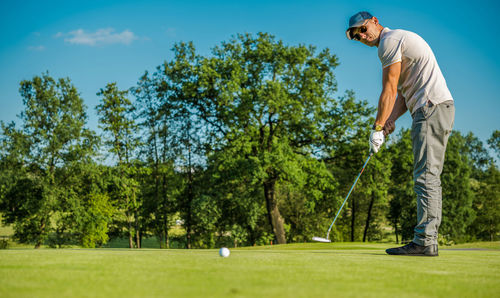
<point x="296" y="270"/>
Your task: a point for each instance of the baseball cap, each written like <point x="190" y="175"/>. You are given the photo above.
<point x="356" y="21"/>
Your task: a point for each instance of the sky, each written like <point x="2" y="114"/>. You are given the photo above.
<point x="98" y="42"/>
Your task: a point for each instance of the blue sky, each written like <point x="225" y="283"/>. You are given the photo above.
<point x="98" y="42"/>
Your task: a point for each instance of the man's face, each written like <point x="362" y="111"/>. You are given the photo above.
<point x="367" y="33"/>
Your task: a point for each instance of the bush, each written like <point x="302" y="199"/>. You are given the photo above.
<point x="4" y="243"/>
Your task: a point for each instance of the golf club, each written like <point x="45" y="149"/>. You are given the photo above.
<point x="327" y="239"/>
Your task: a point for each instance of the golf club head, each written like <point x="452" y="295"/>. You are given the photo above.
<point x="319" y="239"/>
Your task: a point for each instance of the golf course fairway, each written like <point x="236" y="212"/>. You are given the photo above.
<point x="295" y="270"/>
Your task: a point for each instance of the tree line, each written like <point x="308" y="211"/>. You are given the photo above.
<point x="247" y="145"/>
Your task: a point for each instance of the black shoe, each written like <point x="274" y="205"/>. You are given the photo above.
<point x="413" y="249"/>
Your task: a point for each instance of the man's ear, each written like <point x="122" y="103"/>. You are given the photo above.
<point x="375" y="20"/>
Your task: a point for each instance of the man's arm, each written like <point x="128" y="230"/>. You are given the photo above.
<point x="398" y="110"/>
<point x="390" y="78"/>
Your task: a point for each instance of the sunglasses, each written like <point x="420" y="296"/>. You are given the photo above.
<point x="362" y="29"/>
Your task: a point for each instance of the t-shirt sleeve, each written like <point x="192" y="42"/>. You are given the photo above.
<point x="390" y="52"/>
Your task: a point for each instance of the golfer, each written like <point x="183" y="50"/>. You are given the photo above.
<point x="411" y="80"/>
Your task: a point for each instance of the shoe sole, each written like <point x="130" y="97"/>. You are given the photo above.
<point x="413" y="255"/>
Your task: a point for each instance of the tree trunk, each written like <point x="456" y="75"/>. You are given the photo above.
<point x="165" y="232"/>
<point x="138" y="238"/>
<point x="130" y="240"/>
<point x="189" y="216"/>
<point x="167" y="242"/>
<point x="188" y="236"/>
<point x="137" y="230"/>
<point x="130" y="235"/>
<point x="396" y="229"/>
<point x="353" y="218"/>
<point x="38" y="243"/>
<point x="368" y="217"/>
<point x="275" y="219"/>
<point x="190" y="196"/>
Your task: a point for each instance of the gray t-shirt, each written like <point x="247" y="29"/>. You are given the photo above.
<point x="421" y="79"/>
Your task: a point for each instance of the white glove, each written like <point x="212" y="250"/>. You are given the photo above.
<point x="376" y="140"/>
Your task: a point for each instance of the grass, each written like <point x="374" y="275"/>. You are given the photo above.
<point x="295" y="270"/>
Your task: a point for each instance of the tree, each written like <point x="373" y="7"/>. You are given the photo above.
<point x="52" y="137"/>
<point x="494" y="142"/>
<point x="402" y="204"/>
<point x="161" y="185"/>
<point x="458" y="196"/>
<point x="478" y="156"/>
<point x="92" y="210"/>
<point x="183" y="136"/>
<point x="377" y="182"/>
<point x="485" y="184"/>
<point x="273" y="105"/>
<point x="27" y="207"/>
<point x="115" y="118"/>
<point x="13" y="148"/>
<point x="486" y="225"/>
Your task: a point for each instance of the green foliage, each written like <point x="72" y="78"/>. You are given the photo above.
<point x="95" y="226"/>
<point x="494" y="142"/>
<point x="53" y="123"/>
<point x="271" y="105"/>
<point x="116" y="121"/>
<point x="52" y="137"/>
<point x="457" y="192"/>
<point x="486" y="225"/>
<point x="160" y="185"/>
<point x="30" y="210"/>
<point x="402" y="204"/>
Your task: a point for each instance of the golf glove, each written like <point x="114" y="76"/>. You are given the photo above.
<point x="376" y="140"/>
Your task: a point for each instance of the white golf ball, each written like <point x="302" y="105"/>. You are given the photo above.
<point x="224" y="252"/>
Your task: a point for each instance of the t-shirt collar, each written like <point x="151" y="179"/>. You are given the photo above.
<point x="384" y="31"/>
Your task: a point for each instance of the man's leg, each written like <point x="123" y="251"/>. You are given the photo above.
<point x="430" y="131"/>
<point x="432" y="125"/>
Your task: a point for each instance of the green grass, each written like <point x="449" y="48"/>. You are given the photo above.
<point x="296" y="270"/>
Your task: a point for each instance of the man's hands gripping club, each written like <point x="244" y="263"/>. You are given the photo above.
<point x="377" y="137"/>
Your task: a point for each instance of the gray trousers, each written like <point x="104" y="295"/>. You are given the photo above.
<point x="432" y="125"/>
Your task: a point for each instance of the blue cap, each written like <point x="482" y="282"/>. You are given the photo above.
<point x="357" y="20"/>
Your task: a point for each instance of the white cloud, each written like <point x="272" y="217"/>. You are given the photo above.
<point x="103" y="36"/>
<point x="36" y="48"/>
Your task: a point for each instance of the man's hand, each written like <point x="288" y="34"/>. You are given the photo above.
<point x="376" y="140"/>
<point x="389" y="127"/>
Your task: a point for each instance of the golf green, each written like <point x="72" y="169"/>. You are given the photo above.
<point x="296" y="270"/>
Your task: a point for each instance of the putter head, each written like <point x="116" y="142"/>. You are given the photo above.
<point x="319" y="239"/>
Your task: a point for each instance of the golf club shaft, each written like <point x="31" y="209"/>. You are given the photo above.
<point x="352" y="187"/>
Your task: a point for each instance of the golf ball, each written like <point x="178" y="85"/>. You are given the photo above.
<point x="224" y="252"/>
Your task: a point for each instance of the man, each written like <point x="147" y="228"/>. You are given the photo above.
<point x="411" y="80"/>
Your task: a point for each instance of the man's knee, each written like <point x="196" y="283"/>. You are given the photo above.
<point x="426" y="183"/>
